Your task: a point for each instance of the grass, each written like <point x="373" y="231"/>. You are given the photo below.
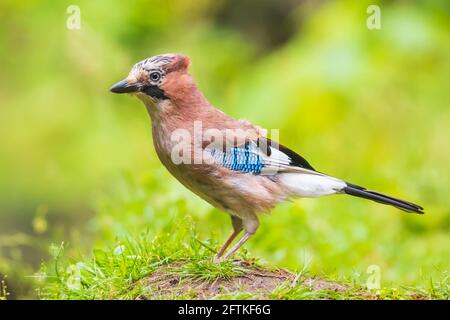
<point x="150" y="247"/>
<point x="180" y="266"/>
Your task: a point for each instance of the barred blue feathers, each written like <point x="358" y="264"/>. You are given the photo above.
<point x="245" y="159"/>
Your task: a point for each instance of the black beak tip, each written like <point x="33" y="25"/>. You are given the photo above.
<point x="113" y="90"/>
<point x="118" y="87"/>
<point x="123" y="87"/>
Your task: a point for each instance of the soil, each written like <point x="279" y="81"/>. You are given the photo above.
<point x="256" y="281"/>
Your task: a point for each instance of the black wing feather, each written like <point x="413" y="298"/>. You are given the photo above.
<point x="296" y="160"/>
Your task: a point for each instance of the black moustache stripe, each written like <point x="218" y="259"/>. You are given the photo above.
<point x="154" y="92"/>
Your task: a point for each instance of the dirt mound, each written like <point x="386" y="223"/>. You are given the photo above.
<point x="255" y="282"/>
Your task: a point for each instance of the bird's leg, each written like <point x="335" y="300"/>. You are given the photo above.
<point x="226" y="244"/>
<point x="250" y="225"/>
<point x="237" y="228"/>
<point x="237" y="245"/>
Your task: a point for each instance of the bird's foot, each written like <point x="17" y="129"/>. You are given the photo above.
<point x="218" y="259"/>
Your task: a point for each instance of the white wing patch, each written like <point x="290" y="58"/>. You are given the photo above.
<point x="279" y="162"/>
<point x="300" y="181"/>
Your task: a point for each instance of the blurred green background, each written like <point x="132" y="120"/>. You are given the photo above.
<point x="372" y="107"/>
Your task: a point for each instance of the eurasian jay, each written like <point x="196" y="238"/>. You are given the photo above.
<point x="229" y="163"/>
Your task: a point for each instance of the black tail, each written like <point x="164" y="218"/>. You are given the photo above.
<point x="361" y="192"/>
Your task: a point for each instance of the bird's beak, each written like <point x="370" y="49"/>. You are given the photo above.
<point x="125" y="87"/>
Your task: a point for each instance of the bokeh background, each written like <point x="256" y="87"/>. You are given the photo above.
<point x="77" y="165"/>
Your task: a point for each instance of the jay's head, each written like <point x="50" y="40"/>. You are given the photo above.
<point x="157" y="78"/>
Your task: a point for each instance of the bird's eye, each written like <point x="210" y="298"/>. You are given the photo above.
<point x="155" y="76"/>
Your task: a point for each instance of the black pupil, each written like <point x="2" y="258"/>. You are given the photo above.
<point x="154" y="76"/>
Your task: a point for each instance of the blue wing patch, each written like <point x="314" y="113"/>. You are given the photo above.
<point x="243" y="159"/>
